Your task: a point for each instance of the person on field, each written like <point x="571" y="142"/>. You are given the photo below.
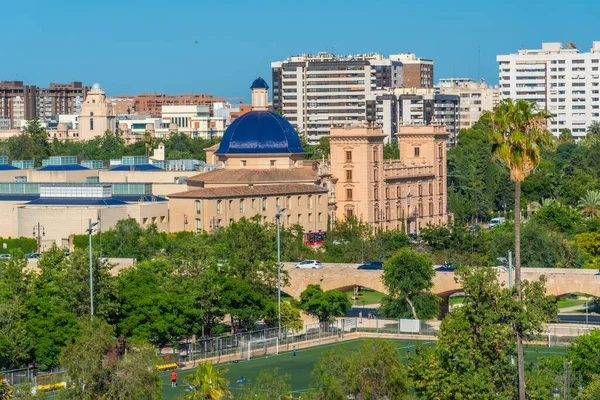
<point x="173" y="379"/>
<point x="294" y="351"/>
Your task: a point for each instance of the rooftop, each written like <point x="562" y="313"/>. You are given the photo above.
<point x="250" y="191"/>
<point x="254" y="176"/>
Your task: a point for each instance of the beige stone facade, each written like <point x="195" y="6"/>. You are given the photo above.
<point x="390" y="193"/>
<point x="97" y="115"/>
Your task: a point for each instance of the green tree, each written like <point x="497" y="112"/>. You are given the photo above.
<point x="472" y="358"/>
<point x="100" y="366"/>
<point x="408" y="278"/>
<point x="593" y="132"/>
<point x="15" y="343"/>
<point x="519" y="134"/>
<point x="324" y="305"/>
<point x="584" y="354"/>
<point x="208" y="382"/>
<point x="590" y="204"/>
<point x="242" y="301"/>
<point x="290" y="316"/>
<point x="269" y="385"/>
<point x="151" y="306"/>
<point x="565" y="136"/>
<point x="589" y="243"/>
<point x="391" y="151"/>
<point x="371" y="372"/>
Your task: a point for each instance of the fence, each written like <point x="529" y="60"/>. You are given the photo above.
<point x="560" y="335"/>
<point x="33" y="375"/>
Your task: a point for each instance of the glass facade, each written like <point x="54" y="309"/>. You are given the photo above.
<point x="134" y="160"/>
<point x="59" y="160"/>
<point x="3" y="160"/>
<point x="19" y="188"/>
<point x="93" y="164"/>
<point x="23" y="164"/>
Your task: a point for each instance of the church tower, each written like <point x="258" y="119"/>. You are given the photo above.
<point x="260" y="95"/>
<point x="96" y="115"/>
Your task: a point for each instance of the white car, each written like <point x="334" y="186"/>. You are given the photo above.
<point x="314" y="264"/>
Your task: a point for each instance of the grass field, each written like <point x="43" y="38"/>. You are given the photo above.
<point x="300" y="367"/>
<point x="366" y="296"/>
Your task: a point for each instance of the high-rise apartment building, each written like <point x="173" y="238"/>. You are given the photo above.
<point x="424" y="107"/>
<point x="19" y="101"/>
<point x="315" y="92"/>
<point x="152" y="103"/>
<point x="475" y="98"/>
<point x="559" y="79"/>
<point x="418" y="72"/>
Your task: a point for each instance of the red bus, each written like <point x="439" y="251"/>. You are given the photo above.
<point x="314" y="238"/>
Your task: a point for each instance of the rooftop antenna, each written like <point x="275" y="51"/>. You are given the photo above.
<point x="479" y="63"/>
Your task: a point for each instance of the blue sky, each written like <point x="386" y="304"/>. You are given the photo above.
<point x="219" y="47"/>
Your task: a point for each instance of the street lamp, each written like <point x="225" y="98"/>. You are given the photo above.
<point x="38" y="232"/>
<point x="90" y="230"/>
<point x="278" y="221"/>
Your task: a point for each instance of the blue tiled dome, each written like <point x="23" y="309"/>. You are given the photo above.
<point x="259" y="83"/>
<point x="260" y="132"/>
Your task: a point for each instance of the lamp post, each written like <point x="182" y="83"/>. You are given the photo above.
<point x="214" y="224"/>
<point x="185" y="222"/>
<point x="278" y="221"/>
<point x="38" y="232"/>
<point x="90" y="230"/>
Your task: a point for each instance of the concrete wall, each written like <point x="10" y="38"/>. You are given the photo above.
<point x="8" y="221"/>
<point x="150" y="213"/>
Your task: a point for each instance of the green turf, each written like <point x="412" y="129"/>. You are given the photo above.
<point x="366" y="296"/>
<point x="300" y="367"/>
<point x="569" y="303"/>
<point x="453" y="300"/>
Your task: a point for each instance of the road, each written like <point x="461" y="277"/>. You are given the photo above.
<point x="578" y="319"/>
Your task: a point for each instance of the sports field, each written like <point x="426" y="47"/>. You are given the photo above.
<point x="300" y="367"/>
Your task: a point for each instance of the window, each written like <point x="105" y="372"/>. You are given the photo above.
<point x="299" y="200"/>
<point x="243" y="163"/>
<point x="319" y="199"/>
<point x="272" y="163"/>
<point x="89" y="179"/>
<point x="431" y="188"/>
<point x="430" y="209"/>
<point x="310" y="201"/>
<point x="417" y="151"/>
<point x="441" y="206"/>
<point x="375" y="154"/>
<point x="198" y="225"/>
<point x="309" y="217"/>
<point x="299" y="218"/>
<point x="289" y="202"/>
<point x="348" y="156"/>
<point x="218" y="206"/>
<point x="349" y="212"/>
<point x="253" y="204"/>
<point x="198" y="204"/>
<point x="241" y="205"/>
<point x="387" y="193"/>
<point x="264" y="204"/>
<point x="440" y="152"/>
<point x="348" y="175"/>
<point x="276" y="201"/>
<point x="420" y="190"/>
<point x="230" y="206"/>
<point x="23" y="179"/>
<point x="319" y="217"/>
<point x="375" y="193"/>
<point x="348" y="194"/>
<point x="398" y="192"/>
<point x="91" y="124"/>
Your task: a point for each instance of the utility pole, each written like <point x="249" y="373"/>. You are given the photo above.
<point x="38" y="232"/>
<point x="278" y="221"/>
<point x="90" y="230"/>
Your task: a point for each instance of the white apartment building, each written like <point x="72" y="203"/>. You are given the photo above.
<point x="193" y="120"/>
<point x="4" y="124"/>
<point x="475" y="98"/>
<point x="315" y="92"/>
<point x="559" y="79"/>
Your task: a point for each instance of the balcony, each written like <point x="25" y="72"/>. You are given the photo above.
<point x="399" y="170"/>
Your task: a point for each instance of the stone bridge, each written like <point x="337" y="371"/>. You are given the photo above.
<point x="559" y="281"/>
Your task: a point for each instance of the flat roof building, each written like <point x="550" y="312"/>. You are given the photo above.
<point x="559" y="79"/>
<point x="475" y="98"/>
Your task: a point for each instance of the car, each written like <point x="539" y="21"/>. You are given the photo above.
<point x="372" y="265"/>
<point x="446" y="267"/>
<point x="496" y="221"/>
<point x="314" y="264"/>
<point x="5" y="257"/>
<point x="34" y="255"/>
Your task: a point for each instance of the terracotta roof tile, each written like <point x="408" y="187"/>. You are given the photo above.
<point x="254" y="176"/>
<point x="249" y="191"/>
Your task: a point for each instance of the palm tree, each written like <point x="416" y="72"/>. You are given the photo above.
<point x="565" y="135"/>
<point x="208" y="382"/>
<point x="590" y="204"/>
<point x="535" y="206"/>
<point x="593" y="133"/>
<point x="147" y="139"/>
<point x="519" y="133"/>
